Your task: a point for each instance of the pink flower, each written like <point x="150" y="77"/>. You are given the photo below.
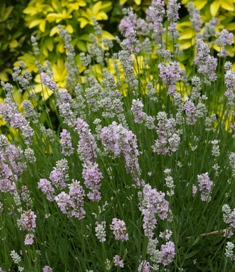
<point x="47" y="269"/>
<point x="86" y="146"/>
<point x="170" y="73"/>
<point x="144" y="267"/>
<point x="205" y="186"/>
<point x="118" y="262"/>
<point x="121" y="141"/>
<point x="47" y="189"/>
<point x="119" y="229"/>
<point x="92" y="177"/>
<point x="167" y="253"/>
<point x="27" y="221"/>
<point x="66" y="143"/>
<point x="29" y="239"/>
<point x="48" y="82"/>
<point x="152" y="203"/>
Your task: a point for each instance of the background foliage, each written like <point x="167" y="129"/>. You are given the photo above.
<point x="20" y="19"/>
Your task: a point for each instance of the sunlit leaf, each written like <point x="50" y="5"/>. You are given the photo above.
<point x="54" y="30"/>
<point x="60" y="47"/>
<point x="75" y="6"/>
<point x="13" y="44"/>
<point x="51" y="17"/>
<point x="227" y="5"/>
<point x="17" y="97"/>
<point x="187" y="34"/>
<point x="42" y="26"/>
<point x="96" y="7"/>
<point x="3" y="76"/>
<point x="35" y="23"/>
<point x="56" y="5"/>
<point x="45" y="92"/>
<point x="69" y="28"/>
<point x="30" y="10"/>
<point x="44" y="51"/>
<point x="181" y="26"/>
<point x="59" y="73"/>
<point x="105" y="5"/>
<point x="231" y="50"/>
<point x="101" y="16"/>
<point x="185" y="45"/>
<point x="49" y="44"/>
<point x="217" y="48"/>
<point x="83" y="22"/>
<point x="107" y="35"/>
<point x="230" y="26"/>
<point x="29" y="60"/>
<point x="79" y="64"/>
<point x="200" y="4"/>
<point x="214" y="7"/>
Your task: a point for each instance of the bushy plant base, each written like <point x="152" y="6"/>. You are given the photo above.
<point x="139" y="173"/>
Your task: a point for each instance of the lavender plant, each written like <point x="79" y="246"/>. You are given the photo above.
<point x="136" y="182"/>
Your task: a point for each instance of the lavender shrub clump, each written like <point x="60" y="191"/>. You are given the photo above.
<point x="132" y="165"/>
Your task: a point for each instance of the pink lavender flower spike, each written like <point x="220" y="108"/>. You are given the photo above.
<point x="172" y="10"/>
<point x="194" y="17"/>
<point x="136" y="108"/>
<point x="59" y="176"/>
<point x="66" y="143"/>
<point x="29" y="239"/>
<point x="154" y="17"/>
<point x="118" y="262"/>
<point x="119" y="229"/>
<point x="7" y="179"/>
<point x="120" y="141"/>
<point x="47" y="269"/>
<point x="173" y="16"/>
<point x="152" y="203"/>
<point x="128" y="29"/>
<point x="205" y="186"/>
<point x="86" y="146"/>
<point x="144" y="266"/>
<point x="77" y="195"/>
<point x="168" y="139"/>
<point x="27" y="221"/>
<point x="206" y="63"/>
<point x="48" y="82"/>
<point x="170" y="74"/>
<point x="46" y="188"/>
<point x="167" y="253"/>
<point x="10" y="114"/>
<point x="72" y="203"/>
<point x="224" y="38"/>
<point x="92" y="177"/>
<point x="63" y="202"/>
<point x="190" y="111"/>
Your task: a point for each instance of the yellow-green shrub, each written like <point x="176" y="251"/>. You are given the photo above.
<point x="76" y="16"/>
